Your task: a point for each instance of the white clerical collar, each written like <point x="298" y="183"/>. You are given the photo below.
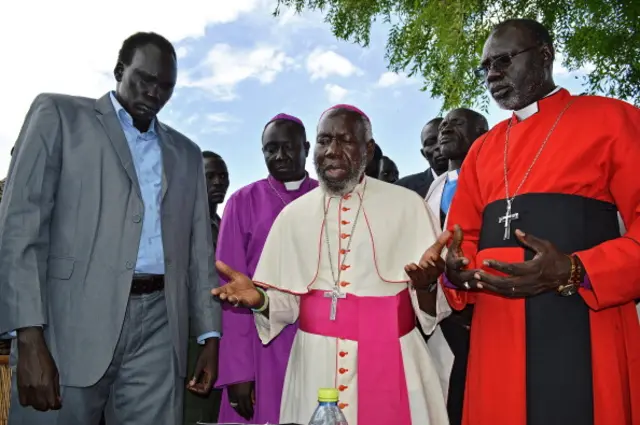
<point x="291" y="186"/>
<point x="452" y="175"/>
<point x="529" y="110"/>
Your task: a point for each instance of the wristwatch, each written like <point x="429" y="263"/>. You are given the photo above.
<point x="575" y="279"/>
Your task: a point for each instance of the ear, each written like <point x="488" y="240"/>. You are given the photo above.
<point x="548" y="54"/>
<point x="306" y="146"/>
<point x="118" y="71"/>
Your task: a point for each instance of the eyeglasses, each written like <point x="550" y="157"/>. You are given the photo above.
<point x="499" y="63"/>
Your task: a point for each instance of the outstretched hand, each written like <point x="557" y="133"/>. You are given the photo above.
<point x="548" y="269"/>
<point x="430" y="266"/>
<point x="456" y="263"/>
<point x="239" y="290"/>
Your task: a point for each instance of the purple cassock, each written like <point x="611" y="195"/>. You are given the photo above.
<point x="248" y="217"/>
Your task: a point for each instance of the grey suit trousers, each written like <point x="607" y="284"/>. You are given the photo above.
<point x="142" y="385"/>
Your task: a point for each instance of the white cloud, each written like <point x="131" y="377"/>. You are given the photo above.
<point x="225" y="67"/>
<point x="220" y="117"/>
<point x="322" y="64"/>
<point x="71" y="46"/>
<point x="182" y="52"/>
<point x="335" y="93"/>
<point x="559" y="70"/>
<point x="389" y="79"/>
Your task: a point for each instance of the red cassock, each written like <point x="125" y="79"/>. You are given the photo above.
<point x="548" y="359"/>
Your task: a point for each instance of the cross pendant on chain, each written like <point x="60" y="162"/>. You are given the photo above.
<point x="506" y="219"/>
<point x="335" y="294"/>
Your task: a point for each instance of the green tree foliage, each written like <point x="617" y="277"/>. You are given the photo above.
<point x="442" y="40"/>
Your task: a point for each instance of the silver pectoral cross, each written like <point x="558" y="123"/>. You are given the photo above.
<point x="335" y="294"/>
<point x="506" y="219"/>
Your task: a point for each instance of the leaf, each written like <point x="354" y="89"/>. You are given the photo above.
<point x="442" y="40"/>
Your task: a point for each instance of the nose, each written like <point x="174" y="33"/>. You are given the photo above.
<point x="493" y="75"/>
<point x="153" y="91"/>
<point x="280" y="154"/>
<point x="445" y="128"/>
<point x="332" y="148"/>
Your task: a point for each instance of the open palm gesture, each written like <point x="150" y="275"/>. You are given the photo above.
<point x="239" y="291"/>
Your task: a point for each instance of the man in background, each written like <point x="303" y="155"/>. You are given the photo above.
<point x="373" y="166"/>
<point x="420" y="182"/>
<point x="252" y="374"/>
<point x="106" y="253"/>
<point x="457" y="132"/>
<point x="388" y="170"/>
<point x="204" y="408"/>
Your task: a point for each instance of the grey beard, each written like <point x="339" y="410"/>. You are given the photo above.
<point x="342" y="187"/>
<point x="521" y="98"/>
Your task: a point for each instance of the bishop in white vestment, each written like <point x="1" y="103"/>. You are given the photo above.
<point x="335" y="262"/>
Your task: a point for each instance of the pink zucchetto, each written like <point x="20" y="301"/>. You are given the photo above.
<point x="285" y="117"/>
<point x="348" y="108"/>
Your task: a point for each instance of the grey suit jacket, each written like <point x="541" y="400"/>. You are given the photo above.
<point x="70" y="225"/>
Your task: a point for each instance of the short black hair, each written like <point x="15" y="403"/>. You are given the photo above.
<point x="434" y="120"/>
<point x="283" y="121"/>
<point x="377" y="153"/>
<point x="139" y="39"/>
<point x="535" y="29"/>
<point x="211" y="155"/>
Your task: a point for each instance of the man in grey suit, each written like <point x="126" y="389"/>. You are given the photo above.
<point x="106" y="252"/>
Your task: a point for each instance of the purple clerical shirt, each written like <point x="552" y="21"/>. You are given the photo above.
<point x="248" y="217"/>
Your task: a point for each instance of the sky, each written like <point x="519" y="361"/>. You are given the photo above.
<point x="238" y="67"/>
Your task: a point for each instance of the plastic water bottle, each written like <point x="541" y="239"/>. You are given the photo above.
<point x="328" y="412"/>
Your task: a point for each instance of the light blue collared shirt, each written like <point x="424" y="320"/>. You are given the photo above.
<point x="450" y="186"/>
<point x="147" y="160"/>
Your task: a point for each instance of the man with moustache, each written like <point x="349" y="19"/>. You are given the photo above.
<point x="106" y="253"/>
<point x="340" y="260"/>
<point x="251" y="374"/>
<point x="457" y="132"/>
<point x="420" y="182"/>
<point x="204" y="408"/>
<point x="388" y="170"/>
<point x="555" y="337"/>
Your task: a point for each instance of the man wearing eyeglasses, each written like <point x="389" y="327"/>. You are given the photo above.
<point x="537" y="247"/>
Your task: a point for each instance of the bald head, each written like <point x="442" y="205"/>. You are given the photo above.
<point x="459" y="129"/>
<point x="429" y="140"/>
<point x="533" y="31"/>
<point x="517" y="63"/>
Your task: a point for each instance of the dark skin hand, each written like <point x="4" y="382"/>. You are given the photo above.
<point x="242" y="398"/>
<point x="426" y="273"/>
<point x="548" y="270"/>
<point x="37" y="374"/>
<point x="206" y="371"/>
<point x="456" y="263"/>
<point x="240" y="291"/>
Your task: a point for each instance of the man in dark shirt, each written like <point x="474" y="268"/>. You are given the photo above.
<point x="198" y="408"/>
<point x="388" y="170"/>
<point x="373" y="167"/>
<point x="420" y="182"/>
